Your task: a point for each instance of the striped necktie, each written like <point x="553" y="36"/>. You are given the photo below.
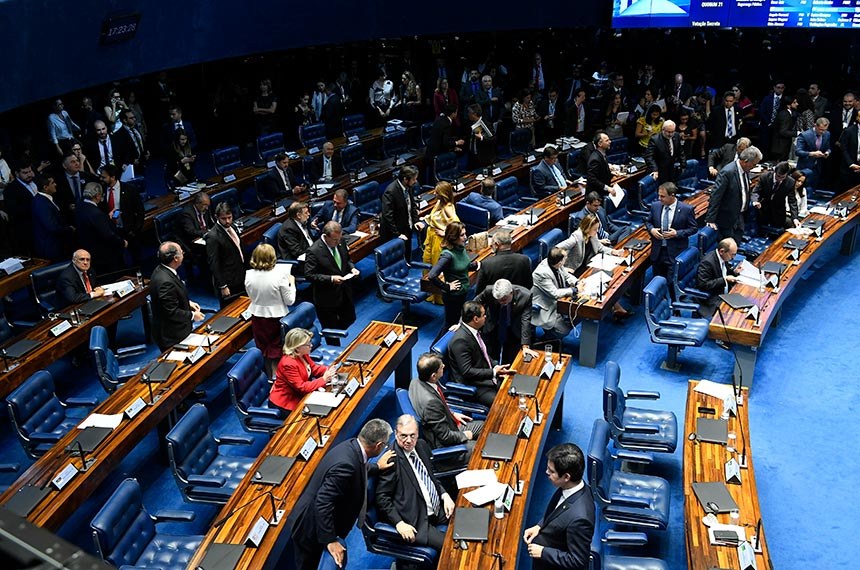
<point x="425" y="479"/>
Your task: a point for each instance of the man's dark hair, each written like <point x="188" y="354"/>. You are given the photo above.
<point x="669" y="187"/>
<point x="567" y="458"/>
<point x="471" y="310"/>
<point x="428" y="364"/>
<point x="223" y="208"/>
<point x="112" y="170"/>
<point x="554" y="256"/>
<point x="280" y="156"/>
<point x="592" y="196"/>
<point x="407" y="171"/>
<point x="782" y="168"/>
<point x="42" y="180"/>
<point x="448" y="110"/>
<point x="476" y="109"/>
<point x="597" y="136"/>
<point x="550" y="151"/>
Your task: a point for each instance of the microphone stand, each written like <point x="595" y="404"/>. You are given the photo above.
<point x="755" y="540"/>
<point x="735" y="386"/>
<point x="84" y="461"/>
<point x="323" y="439"/>
<point x="5" y="359"/>
<point x="518" y="483"/>
<point x="226" y="517"/>
<point x="146" y="380"/>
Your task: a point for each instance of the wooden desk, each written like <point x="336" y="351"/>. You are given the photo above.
<point x="705" y="462"/>
<point x="506" y="535"/>
<point x="20" y="279"/>
<point x="342" y="423"/>
<point x="52" y="348"/>
<point x="54" y="509"/>
<point x="743" y="333"/>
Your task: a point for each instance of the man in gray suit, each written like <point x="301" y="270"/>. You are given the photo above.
<point x="508" y="327"/>
<point x="731" y="196"/>
<point x="551" y="283"/>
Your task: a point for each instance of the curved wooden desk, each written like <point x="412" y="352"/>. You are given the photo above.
<point x="20" y="279"/>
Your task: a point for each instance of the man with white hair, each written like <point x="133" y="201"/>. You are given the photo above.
<point x="508" y="326"/>
<point x="731" y="196"/>
<point x="665" y="154"/>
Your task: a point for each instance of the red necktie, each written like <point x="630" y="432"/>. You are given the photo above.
<point x="110" y="200"/>
<point x="87" y="284"/>
<point x="445" y="401"/>
<point x="202" y="220"/>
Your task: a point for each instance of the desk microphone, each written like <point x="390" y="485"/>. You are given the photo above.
<point x="735" y="386"/>
<point x="146" y="380"/>
<point x="272" y="498"/>
<point x="5" y="359"/>
<point x="518" y="483"/>
<point x="399" y="316"/>
<point x="756" y="538"/>
<point x="83" y="455"/>
<point x="742" y="458"/>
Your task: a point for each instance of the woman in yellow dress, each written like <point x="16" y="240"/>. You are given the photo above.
<point x="442" y="214"/>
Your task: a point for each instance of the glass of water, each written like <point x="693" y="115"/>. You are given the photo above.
<point x="547" y="353"/>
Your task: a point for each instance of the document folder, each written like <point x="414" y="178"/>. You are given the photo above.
<point x="471" y="524"/>
<point x="715" y="497"/>
<point x="21" y="348"/>
<point x="89" y="438"/>
<point x="26" y="499"/>
<point x="525" y="385"/>
<point x="273" y="470"/>
<point x="363" y="353"/>
<point x="223" y="324"/>
<point x="736" y="301"/>
<point x="499" y="446"/>
<point x="90" y="308"/>
<point x="222" y="557"/>
<point x="161" y="371"/>
<point x="712" y="431"/>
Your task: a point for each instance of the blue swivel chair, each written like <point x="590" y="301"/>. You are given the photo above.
<point x="231" y="196"/>
<point x="353" y="125"/>
<point x="126" y="535"/>
<point x="445" y="167"/>
<point x="39" y="417"/>
<point x="442" y="454"/>
<point x="665" y="328"/>
<point x="618" y="153"/>
<point x="249" y="392"/>
<point x="508" y="195"/>
<point x="574" y="163"/>
<point x="312" y="135"/>
<point x="684" y="277"/>
<point x="352" y="157"/>
<point x="226" y="159"/>
<point x="625" y="498"/>
<point x="367" y="197"/>
<point x="304" y="316"/>
<point x="548" y="241"/>
<point x="636" y="429"/>
<point x="44" y="287"/>
<point x="396" y="278"/>
<point x="202" y="473"/>
<point x="620" y="215"/>
<point x="689" y="183"/>
<point x="393" y="144"/>
<point x="475" y="218"/>
<point x="707" y="240"/>
<point x="426" y="129"/>
<point x="269" y="145"/>
<point x="166" y="226"/>
<point x="111" y="373"/>
<point x="647" y="195"/>
<point x="601" y="560"/>
<point x="520" y="141"/>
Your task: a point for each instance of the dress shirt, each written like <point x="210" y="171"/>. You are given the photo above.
<point x="326" y="167"/>
<point x="480" y="342"/>
<point x="724" y="273"/>
<point x="31" y="186"/>
<point x="565" y="494"/>
<point x="105" y="152"/>
<point x="60" y="127"/>
<point x="305" y="233"/>
<point x="744" y="181"/>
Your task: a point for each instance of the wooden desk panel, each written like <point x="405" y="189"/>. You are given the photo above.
<point x="53" y="510"/>
<point x="705" y="462"/>
<point x="340" y="424"/>
<point x="21" y="279"/>
<point x="52" y="348"/>
<point x="505" y="535"/>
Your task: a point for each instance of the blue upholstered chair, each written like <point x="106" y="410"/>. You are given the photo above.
<point x="231" y="196"/>
<point x="269" y="145"/>
<point x="441" y="454"/>
<point x="126" y="535"/>
<point x="689" y="183"/>
<point x="166" y="225"/>
<point x="426" y="129"/>
<point x="202" y="473"/>
<point x="304" y="316"/>
<point x="647" y="195"/>
<point x="508" y="195"/>
<point x="353" y="125"/>
<point x="445" y="167"/>
<point x="548" y="241"/>
<point x="44" y="282"/>
<point x="352" y="157"/>
<point x="601" y="560"/>
<point x="684" y="277"/>
<point x="520" y="141"/>
<point x="111" y="374"/>
<point x="396" y="278"/>
<point x="574" y="159"/>
<point x="475" y="218"/>
<point x="618" y="153"/>
<point x="367" y="198"/>
<point x="393" y="144"/>
<point x="625" y="498"/>
<point x="249" y="392"/>
<point x="620" y="215"/>
<point x="312" y="135"/>
<point x="665" y="328"/>
<point x="636" y="429"/>
<point x="226" y="159"/>
<point x="39" y="417"/>
<point x="707" y="240"/>
<point x="270" y="236"/>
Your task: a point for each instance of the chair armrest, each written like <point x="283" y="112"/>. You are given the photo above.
<point x="207" y="480"/>
<point x="9" y="467"/>
<point x="388" y="531"/>
<point x="640" y="428"/>
<point x="448" y="452"/>
<point x="460" y="389"/>
<point x="680" y="306"/>
<point x="418" y="265"/>
<point x="394" y="280"/>
<point x="128" y="567"/>
<point x="624" y="501"/>
<point x="528" y="199"/>
<point x="45" y="437"/>
<point x="616" y="538"/>
<point x="234" y="439"/>
<point x="288" y="261"/>
<point x="339" y="333"/>
<point x="508" y="210"/>
<point x="695" y="293"/>
<point x="672" y="324"/>
<point x="642" y="395"/>
<point x="172" y="515"/>
<point x="634" y="456"/>
<point x="82" y="402"/>
<point x="264" y="412"/>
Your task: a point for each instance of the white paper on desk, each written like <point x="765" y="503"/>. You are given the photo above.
<point x="715" y="389"/>
<point x="112" y="288"/>
<point x="178" y="355"/>
<point x="200" y="241"/>
<point x="485" y="494"/>
<point x="800" y="232"/>
<point x="750" y="281"/>
<point x="324" y="399"/>
<point x="475" y="478"/>
<point x="11" y="265"/>
<point x="195" y="339"/>
<point x="605" y="262"/>
<point x="820" y="210"/>
<point x="578" y="145"/>
<point x="359" y="234"/>
<point x="189" y="189"/>
<point x="326" y="186"/>
<point x="619" y="195"/>
<point x="301" y="257"/>
<point x="750" y="271"/>
<point x="101" y="420"/>
<point x="590" y="286"/>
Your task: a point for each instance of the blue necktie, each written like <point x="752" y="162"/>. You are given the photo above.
<point x="664" y="226"/>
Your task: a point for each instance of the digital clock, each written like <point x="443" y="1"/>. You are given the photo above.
<point x="119" y="28"/>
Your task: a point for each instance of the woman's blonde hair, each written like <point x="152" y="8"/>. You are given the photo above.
<point x="587" y="223"/>
<point x="263" y="258"/>
<point x="296" y="338"/>
<point x="444" y="192"/>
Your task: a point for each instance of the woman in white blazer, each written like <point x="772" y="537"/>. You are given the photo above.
<point x="272" y="289"/>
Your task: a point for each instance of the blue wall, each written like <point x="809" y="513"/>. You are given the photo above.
<point x="50" y="47"/>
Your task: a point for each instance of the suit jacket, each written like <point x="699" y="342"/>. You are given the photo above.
<point x="765" y="111"/>
<point x="566" y="532"/>
<point x="659" y="160"/>
<point x="291" y="241"/>
<point x="65" y="196"/>
<point x="53" y="237"/>
<point x="560" y="115"/>
<point x="724" y="206"/>
<point x="332" y="501"/>
<point x="441" y="137"/>
<point x="98" y="235"/>
<point x="71" y="289"/>
<point x="332" y="116"/>
<point x="398" y="493"/>
<point x="320" y="266"/>
<point x="270" y="291"/>
<point x="18" y="203"/>
<point x="348" y="221"/>
<point x="722" y="156"/>
<point x="544" y="180"/>
<point x="683" y="222"/>
<point x="92" y="149"/>
<point x="131" y="208"/>
<point x="597" y="174"/>
<point x="171" y="310"/>
<point x="225" y="261"/>
<point x="515" y="267"/>
<point x="272" y="187"/>
<point x="547" y="291"/>
<point x="167" y="133"/>
<point x="394" y="212"/>
<point x="490" y="110"/>
<point x="482" y="152"/>
<point x="847" y="144"/>
<point x="773" y="198"/>
<point x="783" y="131"/>
<point x="607" y="228"/>
<point x="709" y="276"/>
<point x="316" y="168"/>
<point x="125" y="150"/>
<point x="717" y="126"/>
<point x="806" y="144"/>
<point x="468" y="364"/>
<point x="438" y="425"/>
<point x="190" y="228"/>
<point x="575" y="246"/>
<point x="521" y="314"/>
<point x="293" y="381"/>
<point x="486" y="203"/>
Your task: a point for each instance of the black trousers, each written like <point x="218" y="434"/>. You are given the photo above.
<point x="336" y="317"/>
<point x="453" y="311"/>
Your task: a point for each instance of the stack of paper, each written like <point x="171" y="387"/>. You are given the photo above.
<point x="178" y="355"/>
<point x="101" y="420"/>
<point x="605" y="262"/>
<point x="327" y="399"/>
<point x="475" y="478"/>
<point x="112" y="288"/>
<point x="195" y="339"/>
<point x="820" y="210"/>
<point x="485" y="494"/>
<point x="711" y="388"/>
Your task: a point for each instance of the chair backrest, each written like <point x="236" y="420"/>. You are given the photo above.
<point x="547" y="241"/>
<point x="122" y="529"/>
<point x="445" y="166"/>
<point x="508" y="191"/>
<point x="367" y="198"/>
<point x="686" y="267"/>
<point x="5" y="328"/>
<point x="613" y="396"/>
<point x="352" y="157"/>
<point x="190" y="444"/>
<point x="248" y="381"/>
<point x="270" y="236"/>
<point x="440" y="347"/>
<point x="44" y="286"/>
<point x="574" y="162"/>
<point x="231" y="196"/>
<point x="405" y="404"/>
<point x="269" y="145"/>
<point x="618" y="212"/>
<point x="259" y="182"/>
<point x="304" y="316"/>
<point x="474" y="218"/>
<point x="393" y="144"/>
<point x="166" y="224"/>
<point x="353" y="125"/>
<point x="532" y="188"/>
<point x="312" y="135"/>
<point x="658" y="305"/>
<point x="707" y="240"/>
<point x="226" y="159"/>
<point x="688" y="175"/>
<point x="107" y="366"/>
<point x="426" y="129"/>
<point x="390" y="260"/>
<point x="647" y="192"/>
<point x="618" y="151"/>
<point x="600" y="464"/>
<point x="34" y="406"/>
<point x="520" y="141"/>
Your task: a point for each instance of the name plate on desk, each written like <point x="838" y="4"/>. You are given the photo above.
<point x="752" y="313"/>
<point x="321" y="191"/>
<point x="60" y="328"/>
<point x="229" y="178"/>
<point x="258" y="531"/>
<point x="746" y="556"/>
<point x="507" y="497"/>
<point x="525" y="429"/>
<point x="422" y="204"/>
<point x="280" y="210"/>
<point x="460" y="186"/>
<point x="547" y="371"/>
<point x="530" y="158"/>
<point x="351" y="387"/>
<point x="64" y="476"/>
<point x="352" y="139"/>
<point x="400" y="161"/>
<point x="390" y="129"/>
<point x="313" y="150"/>
<point x="124" y="289"/>
<point x="390" y="339"/>
<point x="270" y="164"/>
<point x="195" y="355"/>
<point x="361" y="175"/>
<point x="307" y="449"/>
<point x="246" y="314"/>
<point x="733" y="472"/>
<point x="496" y="171"/>
<point x="135" y="408"/>
<point x="292" y="155"/>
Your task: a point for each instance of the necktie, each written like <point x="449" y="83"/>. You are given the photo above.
<point x="76" y="187"/>
<point x="201" y="219"/>
<point x="327" y="167"/>
<point x="559" y="179"/>
<point x="336" y="255"/>
<point x="284" y="179"/>
<point x="445" y="401"/>
<point x="87" y="285"/>
<point x="664" y="225"/>
<point x="408" y="207"/>
<point x="235" y="237"/>
<point x="337" y="215"/>
<point x="775" y="108"/>
<point x="553" y="503"/>
<point x="504" y="323"/>
<point x="425" y="479"/>
<point x="138" y="142"/>
<point x="730" y="124"/>
<point x="111" y="201"/>
<point x="745" y="191"/>
<point x="671" y="148"/>
<point x="846" y="116"/>
<point x="818" y="142"/>
<point x="483" y="348"/>
<point x="105" y="154"/>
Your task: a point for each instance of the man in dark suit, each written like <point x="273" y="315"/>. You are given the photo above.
<point x="484" y="200"/>
<point x="442" y="426"/>
<point x="482" y="140"/>
<point x="53" y="236"/>
<point x="730" y="197"/>
<point x="100" y="149"/>
<point x="225" y="256"/>
<point x="547" y="176"/>
<point x="70" y="181"/>
<point x="598" y="174"/>
<point x="175" y="123"/>
<point x="172" y="311"/>
<point x="813" y="148"/>
<point x="399" y="217"/>
<point x="401" y="492"/>
<point x="504" y="263"/>
<point x="195" y="220"/>
<point x="491" y="101"/>
<point x="97" y="233"/>
<point x="724" y="122"/>
<point x="123" y="205"/>
<point x="280" y="182"/>
<point x="665" y="154"/>
<point x="129" y="148"/>
<point x="77" y="283"/>
<point x="294" y="238"/>
<point x="323" y="166"/>
<point x="849" y="144"/>
<point x="725" y="155"/>
<point x="552" y="114"/>
<point x="785" y="129"/>
<point x="329" y="269"/>
<point x="335" y="499"/>
<point x="775" y="189"/>
<point x="670" y="223"/>
<point x="562" y="538"/>
<point x="509" y="320"/>
<point x="767" y="112"/>
<point x="442" y="137"/>
<point x="332" y="113"/>
<point x="715" y="277"/>
<point x="470" y="361"/>
<point x="339" y="210"/>
<point x="18" y="203"/>
<point x="607" y="232"/>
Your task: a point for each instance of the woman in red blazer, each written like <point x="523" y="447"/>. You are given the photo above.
<point x="297" y="374"/>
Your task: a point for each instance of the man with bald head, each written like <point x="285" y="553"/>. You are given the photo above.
<point x="77" y="283"/>
<point x="172" y="311"/>
<point x="665" y="154"/>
